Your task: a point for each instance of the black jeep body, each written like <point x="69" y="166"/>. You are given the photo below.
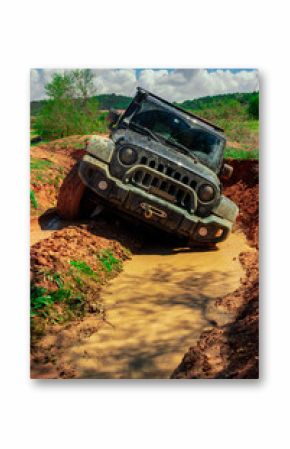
<point x="162" y="165"/>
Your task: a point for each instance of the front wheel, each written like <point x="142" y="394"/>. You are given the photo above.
<point x="70" y="195"/>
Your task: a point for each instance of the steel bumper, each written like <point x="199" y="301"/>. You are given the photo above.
<point x="150" y="208"/>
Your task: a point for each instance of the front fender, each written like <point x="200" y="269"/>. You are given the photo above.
<point x="100" y="147"/>
<point x="226" y="209"/>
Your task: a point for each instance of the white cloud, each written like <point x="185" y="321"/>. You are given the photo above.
<point x="182" y="84"/>
<point x="38" y="79"/>
<point x="121" y="81"/>
<point x="173" y="85"/>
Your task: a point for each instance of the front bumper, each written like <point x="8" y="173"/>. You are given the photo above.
<point x="150" y="208"/>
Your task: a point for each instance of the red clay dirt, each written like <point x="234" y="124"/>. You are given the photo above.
<point x="232" y="350"/>
<point x="63" y="154"/>
<point x="243" y="188"/>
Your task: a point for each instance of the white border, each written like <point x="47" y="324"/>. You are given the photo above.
<point x="171" y="414"/>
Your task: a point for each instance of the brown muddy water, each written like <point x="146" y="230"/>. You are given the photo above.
<point x="156" y="309"/>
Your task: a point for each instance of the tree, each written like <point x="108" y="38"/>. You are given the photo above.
<point x="70" y="108"/>
<point x="83" y="81"/>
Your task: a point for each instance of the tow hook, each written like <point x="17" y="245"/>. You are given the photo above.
<point x="149" y="211"/>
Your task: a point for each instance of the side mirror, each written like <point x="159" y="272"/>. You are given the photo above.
<point x="113" y="117"/>
<point x="226" y="171"/>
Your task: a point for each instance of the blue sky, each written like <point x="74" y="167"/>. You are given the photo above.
<point x="172" y="84"/>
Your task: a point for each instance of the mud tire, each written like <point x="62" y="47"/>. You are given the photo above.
<point x="70" y="195"/>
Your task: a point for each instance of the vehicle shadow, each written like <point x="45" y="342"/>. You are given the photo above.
<point x="152" y="326"/>
<point x="138" y="237"/>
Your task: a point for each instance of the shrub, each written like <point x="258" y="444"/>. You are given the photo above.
<point x="70" y="108"/>
<point x="253" y="108"/>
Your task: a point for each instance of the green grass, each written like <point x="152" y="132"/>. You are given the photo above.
<point x="68" y="295"/>
<point x="40" y="164"/>
<point x="233" y="153"/>
<point x="41" y="174"/>
<point x="108" y="261"/>
<point x="102" y="125"/>
<point x="253" y="125"/>
<point x="42" y="297"/>
<point x="230" y="112"/>
<point x="33" y="199"/>
<point x="82" y="267"/>
<point x="33" y="133"/>
<point x="43" y="305"/>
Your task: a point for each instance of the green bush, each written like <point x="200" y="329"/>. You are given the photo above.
<point x="254" y="106"/>
<point x="70" y="108"/>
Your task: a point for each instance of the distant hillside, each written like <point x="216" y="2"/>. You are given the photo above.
<point x="106" y="101"/>
<point x="218" y="100"/>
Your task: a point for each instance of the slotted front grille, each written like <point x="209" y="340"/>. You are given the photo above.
<point x="165" y="181"/>
<point x="168" y="170"/>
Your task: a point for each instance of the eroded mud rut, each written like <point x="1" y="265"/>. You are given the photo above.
<point x="156" y="309"/>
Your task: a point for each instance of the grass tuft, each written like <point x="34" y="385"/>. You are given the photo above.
<point x="33" y="199"/>
<point x="39" y="164"/>
<point x="109" y="261"/>
<point x="233" y="153"/>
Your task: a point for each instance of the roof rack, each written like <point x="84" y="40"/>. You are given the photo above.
<point x="140" y="89"/>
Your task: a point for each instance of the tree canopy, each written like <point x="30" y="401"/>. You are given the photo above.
<point x="70" y="107"/>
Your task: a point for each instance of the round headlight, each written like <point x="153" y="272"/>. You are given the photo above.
<point x="128" y="156"/>
<point x="206" y="193"/>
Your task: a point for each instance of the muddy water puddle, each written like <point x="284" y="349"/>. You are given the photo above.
<point x="156" y="309"/>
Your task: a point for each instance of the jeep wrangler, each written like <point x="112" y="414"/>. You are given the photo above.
<point x="161" y="165"/>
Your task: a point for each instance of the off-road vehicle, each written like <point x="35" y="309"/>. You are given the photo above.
<point x="161" y="165"/>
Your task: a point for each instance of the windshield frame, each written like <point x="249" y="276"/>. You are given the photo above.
<point x="193" y="122"/>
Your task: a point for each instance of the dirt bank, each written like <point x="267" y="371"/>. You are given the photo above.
<point x="232" y="350"/>
<point x="229" y="351"/>
<point x="243" y="188"/>
<point x="49" y="165"/>
<point x="68" y="270"/>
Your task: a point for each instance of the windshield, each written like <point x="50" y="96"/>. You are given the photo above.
<point x="172" y="128"/>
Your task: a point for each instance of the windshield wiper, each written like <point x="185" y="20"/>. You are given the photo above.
<point x="146" y="131"/>
<point x="162" y="139"/>
<point x="181" y="147"/>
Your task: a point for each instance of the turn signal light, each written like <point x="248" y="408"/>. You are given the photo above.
<point x="219" y="232"/>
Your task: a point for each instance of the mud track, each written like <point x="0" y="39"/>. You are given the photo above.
<point x="156" y="308"/>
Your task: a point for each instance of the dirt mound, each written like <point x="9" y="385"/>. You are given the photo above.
<point x="231" y="351"/>
<point x="245" y="170"/>
<point x="50" y="164"/>
<point x="67" y="272"/>
<point x="243" y="189"/>
<point x="72" y="243"/>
